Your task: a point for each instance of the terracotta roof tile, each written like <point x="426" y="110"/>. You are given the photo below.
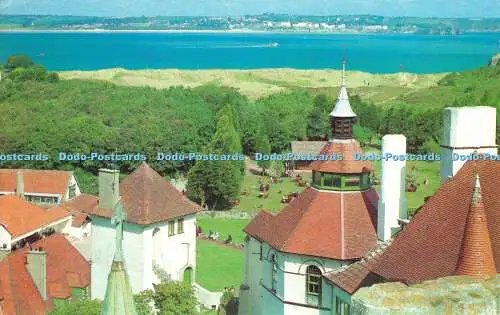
<point x="36" y="181"/>
<point x="79" y="207"/>
<point x="346" y="148"/>
<point x="148" y="198"/>
<point x="476" y="255"/>
<point x="354" y="276"/>
<point x="430" y="245"/>
<point x="66" y="268"/>
<point x="312" y="225"/>
<point x="19" y="216"/>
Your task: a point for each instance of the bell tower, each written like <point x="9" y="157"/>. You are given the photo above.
<point x="342" y="117"/>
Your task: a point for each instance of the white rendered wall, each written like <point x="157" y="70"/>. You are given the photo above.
<point x="81" y="231"/>
<point x="172" y="253"/>
<point x="103" y="249"/>
<point x="295" y="280"/>
<point x="5" y="237"/>
<point x="392" y="202"/>
<point x="72" y="181"/>
<point x="466" y="129"/>
<point x="252" y="276"/>
<point x="290" y="285"/>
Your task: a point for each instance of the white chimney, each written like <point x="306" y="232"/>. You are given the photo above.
<point x="109" y="188"/>
<point x="20" y="184"/>
<point x="466" y="130"/>
<point x="36" y="263"/>
<point x="392" y="202"/>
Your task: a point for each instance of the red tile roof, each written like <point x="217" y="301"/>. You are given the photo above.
<point x="36" y="181"/>
<point x="324" y="224"/>
<point x="20" y="217"/>
<point x="476" y="256"/>
<point x="79" y="207"/>
<point x="148" y="198"/>
<point x="346" y="148"/>
<point x="66" y="269"/>
<point x="430" y="245"/>
<point x="354" y="276"/>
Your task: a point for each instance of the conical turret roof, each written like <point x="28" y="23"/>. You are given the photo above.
<point x="342" y="107"/>
<point x="476" y="255"/>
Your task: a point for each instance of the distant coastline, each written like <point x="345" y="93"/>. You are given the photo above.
<point x="235" y="31"/>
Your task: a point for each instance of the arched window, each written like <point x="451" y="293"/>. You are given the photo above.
<point x="313" y="285"/>
<point x="274" y="272"/>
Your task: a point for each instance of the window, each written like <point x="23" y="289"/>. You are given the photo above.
<point x="342" y="308"/>
<point x="171" y="228"/>
<point x="180" y="226"/>
<point x="313" y="285"/>
<point x="72" y="191"/>
<point x="331" y="180"/>
<point x="274" y="272"/>
<point x="352" y="181"/>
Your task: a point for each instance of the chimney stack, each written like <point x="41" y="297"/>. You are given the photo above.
<point x="36" y="263"/>
<point x="392" y="203"/>
<point x="466" y="130"/>
<point x="109" y="188"/>
<point x="20" y="184"/>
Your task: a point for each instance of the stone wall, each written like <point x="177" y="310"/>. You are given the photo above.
<point x="450" y="295"/>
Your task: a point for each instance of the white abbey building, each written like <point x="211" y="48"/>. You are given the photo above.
<point x="159" y="233"/>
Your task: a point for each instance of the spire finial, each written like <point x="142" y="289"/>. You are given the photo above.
<point x="476" y="195"/>
<point x="343" y="71"/>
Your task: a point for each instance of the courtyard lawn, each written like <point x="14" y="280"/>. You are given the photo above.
<point x="218" y="266"/>
<point x="224" y="227"/>
<point x="252" y="203"/>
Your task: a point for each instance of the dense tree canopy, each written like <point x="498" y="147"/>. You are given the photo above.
<point x="76" y="116"/>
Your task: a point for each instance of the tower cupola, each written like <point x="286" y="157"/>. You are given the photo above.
<point x="342" y="117"/>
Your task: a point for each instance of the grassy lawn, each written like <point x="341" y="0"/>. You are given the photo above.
<point x="218" y="266"/>
<point x="253" y="203"/>
<point x="224" y="227"/>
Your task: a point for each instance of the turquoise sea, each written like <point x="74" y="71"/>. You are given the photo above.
<point x="371" y="53"/>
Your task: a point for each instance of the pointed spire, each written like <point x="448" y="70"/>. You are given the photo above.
<point x="119" y="298"/>
<point x="476" y="255"/>
<point x="343" y="108"/>
<point x="343" y="72"/>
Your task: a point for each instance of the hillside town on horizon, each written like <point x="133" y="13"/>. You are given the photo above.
<point x="267" y="22"/>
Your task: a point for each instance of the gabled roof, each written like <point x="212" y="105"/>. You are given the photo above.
<point x="347" y="148"/>
<point x="431" y="244"/>
<point x="19" y="217"/>
<point x="307" y="147"/>
<point x="148" y="198"/>
<point x="323" y="224"/>
<point x="66" y="269"/>
<point x="355" y="275"/>
<point x="79" y="207"/>
<point x="36" y="181"/>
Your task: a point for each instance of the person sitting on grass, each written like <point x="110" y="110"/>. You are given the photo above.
<point x="229" y="240"/>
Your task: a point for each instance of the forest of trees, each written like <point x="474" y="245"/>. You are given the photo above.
<point x="41" y="114"/>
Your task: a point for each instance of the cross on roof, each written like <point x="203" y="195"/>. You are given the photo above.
<point x="117" y="220"/>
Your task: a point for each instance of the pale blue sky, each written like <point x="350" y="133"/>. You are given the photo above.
<point x="441" y="8"/>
